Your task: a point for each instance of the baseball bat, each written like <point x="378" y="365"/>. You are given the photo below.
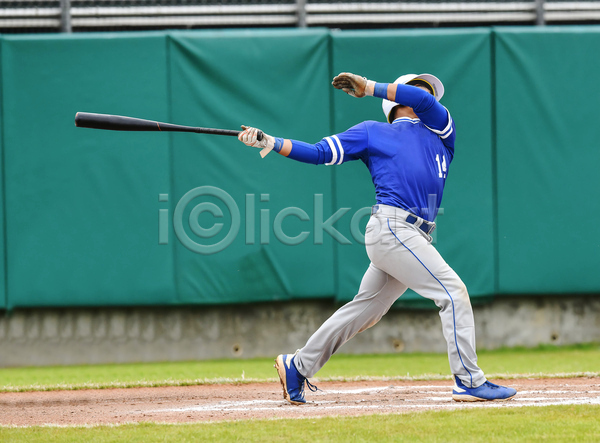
<point x="121" y="123"/>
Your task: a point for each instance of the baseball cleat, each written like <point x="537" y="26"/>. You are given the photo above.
<point x="486" y="392"/>
<point x="291" y="380"/>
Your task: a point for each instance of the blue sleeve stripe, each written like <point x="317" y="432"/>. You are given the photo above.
<point x="333" y="151"/>
<point x="340" y="149"/>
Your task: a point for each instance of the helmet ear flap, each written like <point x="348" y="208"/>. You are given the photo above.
<point x="390" y="117"/>
<point x="387" y="107"/>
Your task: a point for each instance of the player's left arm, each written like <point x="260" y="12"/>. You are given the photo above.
<point x="431" y="112"/>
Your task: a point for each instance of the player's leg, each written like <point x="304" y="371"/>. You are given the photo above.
<point x="376" y="294"/>
<point x="411" y="259"/>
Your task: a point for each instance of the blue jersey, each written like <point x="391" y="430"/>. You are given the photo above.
<point x="408" y="159"/>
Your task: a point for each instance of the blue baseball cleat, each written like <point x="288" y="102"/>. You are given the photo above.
<point x="291" y="380"/>
<point x="486" y="392"/>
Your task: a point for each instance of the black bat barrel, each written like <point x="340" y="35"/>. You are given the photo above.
<point x="121" y="123"/>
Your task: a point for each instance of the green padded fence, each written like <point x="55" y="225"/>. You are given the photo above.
<point x="548" y="127"/>
<point x="277" y="81"/>
<point x="102" y="218"/>
<point x="80" y="204"/>
<point x="3" y="294"/>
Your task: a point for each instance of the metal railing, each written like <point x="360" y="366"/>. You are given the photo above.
<point x="86" y="15"/>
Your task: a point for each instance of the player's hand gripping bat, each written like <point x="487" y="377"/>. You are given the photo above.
<point x="120" y="123"/>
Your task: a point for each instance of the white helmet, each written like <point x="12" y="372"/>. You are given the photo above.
<point x="431" y="80"/>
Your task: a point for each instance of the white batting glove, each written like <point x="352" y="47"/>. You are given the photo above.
<point x="249" y="137"/>
<point x="353" y="84"/>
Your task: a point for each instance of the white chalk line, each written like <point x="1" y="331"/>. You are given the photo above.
<point x="426" y="389"/>
<point x="311" y="408"/>
<point x="380" y="389"/>
<point x="435" y="401"/>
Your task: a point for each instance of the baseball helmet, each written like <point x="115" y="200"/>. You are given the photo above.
<point x="434" y="82"/>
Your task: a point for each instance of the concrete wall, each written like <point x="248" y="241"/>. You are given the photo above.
<point x="88" y="336"/>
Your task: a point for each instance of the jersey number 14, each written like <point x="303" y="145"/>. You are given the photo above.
<point x="441" y="166"/>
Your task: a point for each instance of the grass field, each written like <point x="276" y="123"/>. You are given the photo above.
<point x="550" y="423"/>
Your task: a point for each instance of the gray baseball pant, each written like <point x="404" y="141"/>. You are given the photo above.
<point x="401" y="257"/>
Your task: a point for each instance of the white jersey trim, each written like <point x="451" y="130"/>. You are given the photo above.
<point x="446" y="136"/>
<point x="340" y="148"/>
<point x="444" y="133"/>
<point x="407" y="119"/>
<point x="334" y="153"/>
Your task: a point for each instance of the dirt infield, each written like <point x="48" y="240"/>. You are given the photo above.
<point x="264" y="400"/>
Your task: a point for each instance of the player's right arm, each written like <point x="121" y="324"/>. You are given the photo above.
<point x="333" y="150"/>
<point x="431" y="112"/>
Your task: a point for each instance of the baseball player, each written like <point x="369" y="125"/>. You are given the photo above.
<point x="408" y="157"/>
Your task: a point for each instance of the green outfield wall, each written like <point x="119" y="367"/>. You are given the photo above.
<point x="102" y="218"/>
<point x="547" y="152"/>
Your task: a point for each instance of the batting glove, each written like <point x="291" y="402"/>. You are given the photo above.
<point x="353" y="84"/>
<point x="249" y="137"/>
